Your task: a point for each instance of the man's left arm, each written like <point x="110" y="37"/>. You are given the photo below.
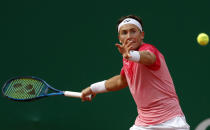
<point x="147" y="57"/>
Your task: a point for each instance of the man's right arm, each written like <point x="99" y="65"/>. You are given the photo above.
<point x="113" y="84"/>
<point x="116" y="83"/>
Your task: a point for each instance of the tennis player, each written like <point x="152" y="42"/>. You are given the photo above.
<point x="145" y="72"/>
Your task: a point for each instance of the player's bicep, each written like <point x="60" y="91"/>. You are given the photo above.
<point x="147" y="57"/>
<point x="116" y="83"/>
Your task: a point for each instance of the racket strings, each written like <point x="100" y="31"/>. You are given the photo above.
<point x="25" y="89"/>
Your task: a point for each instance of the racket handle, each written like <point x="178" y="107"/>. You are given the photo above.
<point x="74" y="94"/>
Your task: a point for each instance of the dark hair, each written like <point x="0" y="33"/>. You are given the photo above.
<point x="130" y="16"/>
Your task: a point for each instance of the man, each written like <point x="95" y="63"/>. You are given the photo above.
<point x="145" y="72"/>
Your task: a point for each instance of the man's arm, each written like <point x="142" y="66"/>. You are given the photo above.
<point x="116" y="83"/>
<point x="113" y="84"/>
<point x="147" y="57"/>
<point x="144" y="57"/>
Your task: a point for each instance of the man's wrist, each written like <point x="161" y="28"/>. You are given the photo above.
<point x="98" y="87"/>
<point x="135" y="56"/>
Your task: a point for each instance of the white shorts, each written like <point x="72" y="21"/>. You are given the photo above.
<point x="177" y="123"/>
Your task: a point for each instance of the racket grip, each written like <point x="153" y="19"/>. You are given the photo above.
<point x="74" y="94"/>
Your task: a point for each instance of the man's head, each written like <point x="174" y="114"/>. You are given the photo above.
<point x="130" y="30"/>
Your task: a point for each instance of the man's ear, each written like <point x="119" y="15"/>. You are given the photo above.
<point x="142" y="34"/>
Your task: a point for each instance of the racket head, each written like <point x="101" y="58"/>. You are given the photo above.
<point x="26" y="88"/>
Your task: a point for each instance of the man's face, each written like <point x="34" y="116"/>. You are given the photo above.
<point x="130" y="33"/>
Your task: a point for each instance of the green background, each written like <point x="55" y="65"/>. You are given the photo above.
<point x="70" y="44"/>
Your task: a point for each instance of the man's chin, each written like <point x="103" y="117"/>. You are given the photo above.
<point x="135" y="48"/>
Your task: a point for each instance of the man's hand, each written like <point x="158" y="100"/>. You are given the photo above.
<point x="124" y="49"/>
<point x="85" y="94"/>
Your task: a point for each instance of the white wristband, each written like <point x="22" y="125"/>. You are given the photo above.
<point x="99" y="87"/>
<point x="135" y="56"/>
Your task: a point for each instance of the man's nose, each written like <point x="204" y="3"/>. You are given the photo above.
<point x="129" y="35"/>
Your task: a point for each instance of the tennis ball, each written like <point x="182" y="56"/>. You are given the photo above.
<point x="203" y="39"/>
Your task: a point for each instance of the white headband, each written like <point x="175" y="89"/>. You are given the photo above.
<point x="130" y="21"/>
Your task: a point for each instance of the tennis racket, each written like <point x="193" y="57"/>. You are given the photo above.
<point x="30" y="88"/>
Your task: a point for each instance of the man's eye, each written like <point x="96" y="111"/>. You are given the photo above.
<point x="123" y="32"/>
<point x="133" y="31"/>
